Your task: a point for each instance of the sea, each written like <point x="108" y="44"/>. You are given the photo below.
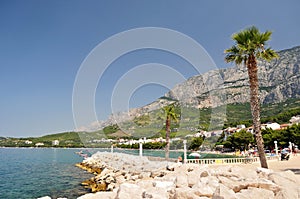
<point x="30" y="173"/>
<point x="27" y="173"/>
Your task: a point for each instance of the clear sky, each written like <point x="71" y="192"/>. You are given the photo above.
<point x="43" y="44"/>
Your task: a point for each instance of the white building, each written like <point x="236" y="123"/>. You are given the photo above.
<point x="39" y="144"/>
<point x="273" y="126"/>
<point x="295" y="120"/>
<point x="28" y="142"/>
<point x="241" y="126"/>
<point x="55" y="143"/>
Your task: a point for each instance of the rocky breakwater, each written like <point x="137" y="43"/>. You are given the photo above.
<point x="188" y="180"/>
<point x="113" y="169"/>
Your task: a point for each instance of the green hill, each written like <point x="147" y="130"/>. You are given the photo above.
<point x="235" y="114"/>
<point x="66" y="139"/>
<point x="238" y="113"/>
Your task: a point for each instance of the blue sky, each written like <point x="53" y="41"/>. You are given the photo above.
<point x="43" y="44"/>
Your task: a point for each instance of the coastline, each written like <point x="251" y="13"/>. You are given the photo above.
<point x="124" y="177"/>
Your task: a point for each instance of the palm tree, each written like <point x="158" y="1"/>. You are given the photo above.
<point x="170" y="114"/>
<point x="250" y="46"/>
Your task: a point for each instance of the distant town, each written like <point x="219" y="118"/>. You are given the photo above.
<point x="70" y="139"/>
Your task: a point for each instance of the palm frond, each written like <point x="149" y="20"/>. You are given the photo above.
<point x="234" y="54"/>
<point x="248" y="42"/>
<point x="268" y="54"/>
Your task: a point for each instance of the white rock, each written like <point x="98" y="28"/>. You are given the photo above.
<point x="206" y="191"/>
<point x="45" y="197"/>
<point x="106" y="195"/>
<point x="106" y="171"/>
<point x="212" y="181"/>
<point x="120" y="179"/>
<point x="264" y="170"/>
<point x="144" y="175"/>
<point x="288" y="184"/>
<point x="181" y="181"/>
<point x="110" y="187"/>
<point x="255" y="193"/>
<point x="156" y="193"/>
<point x="109" y="180"/>
<point x="167" y="185"/>
<point x="244" y="173"/>
<point x="145" y="184"/>
<point x="265" y="184"/>
<point x="170" y="177"/>
<point x="129" y="191"/>
<point x="185" y="193"/>
<point x="204" y="174"/>
<point x="174" y="166"/>
<point x="195" y="175"/>
<point x="223" y="192"/>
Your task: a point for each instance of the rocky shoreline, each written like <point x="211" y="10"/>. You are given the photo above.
<point x="122" y="176"/>
<point x="111" y="170"/>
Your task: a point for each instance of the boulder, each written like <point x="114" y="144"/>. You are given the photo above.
<point x="288" y="183"/>
<point x="129" y="191"/>
<point x="110" y="187"/>
<point x="223" y="192"/>
<point x="106" y="195"/>
<point x="146" y="184"/>
<point x="254" y="193"/>
<point x="203" y="190"/>
<point x="204" y="174"/>
<point x="181" y="180"/>
<point x="243" y="173"/>
<point x="211" y="181"/>
<point x="120" y="179"/>
<point x="264" y="184"/>
<point x="110" y="179"/>
<point x="166" y="185"/>
<point x="185" y="193"/>
<point x="144" y="175"/>
<point x="195" y="174"/>
<point x="155" y="193"/>
<point x="98" y="187"/>
<point x="236" y="186"/>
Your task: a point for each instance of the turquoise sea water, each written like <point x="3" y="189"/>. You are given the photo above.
<point x="27" y="173"/>
<point x="32" y="173"/>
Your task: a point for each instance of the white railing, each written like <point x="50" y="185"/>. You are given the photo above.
<point x="229" y="160"/>
<point x="274" y="157"/>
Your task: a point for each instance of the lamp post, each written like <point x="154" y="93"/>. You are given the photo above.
<point x="184" y="152"/>
<point x="276" y="147"/>
<point x="141" y="147"/>
<point x="291" y="148"/>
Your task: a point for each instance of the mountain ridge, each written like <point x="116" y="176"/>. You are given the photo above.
<point x="279" y="80"/>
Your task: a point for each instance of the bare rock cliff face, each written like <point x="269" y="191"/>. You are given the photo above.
<point x="279" y="80"/>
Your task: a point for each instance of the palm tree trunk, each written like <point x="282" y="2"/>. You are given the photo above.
<point x="168" y="121"/>
<point x="255" y="108"/>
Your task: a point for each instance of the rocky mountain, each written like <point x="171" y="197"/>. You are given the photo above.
<point x="279" y="80"/>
